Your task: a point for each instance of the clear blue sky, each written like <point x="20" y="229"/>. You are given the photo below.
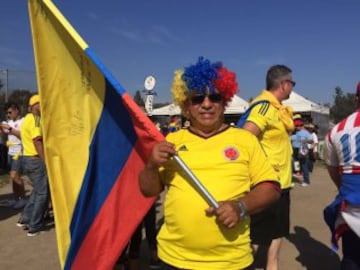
<point x="318" y="39"/>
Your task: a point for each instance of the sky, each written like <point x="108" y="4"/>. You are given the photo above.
<point x="318" y="39"/>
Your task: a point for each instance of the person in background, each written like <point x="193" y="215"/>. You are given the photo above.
<point x="272" y="123"/>
<point x="149" y="223"/>
<point x="296" y="146"/>
<point x="3" y="153"/>
<point x="341" y="155"/>
<point x="229" y="162"/>
<point x="312" y="146"/>
<point x="15" y="151"/>
<point x="32" y="217"/>
<point x="303" y="139"/>
<point x="164" y="129"/>
<point x="129" y="258"/>
<point x="174" y="124"/>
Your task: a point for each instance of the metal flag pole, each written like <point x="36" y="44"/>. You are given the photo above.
<point x="199" y="186"/>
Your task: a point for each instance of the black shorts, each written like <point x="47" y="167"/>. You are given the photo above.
<point x="350" y="248"/>
<point x="272" y="223"/>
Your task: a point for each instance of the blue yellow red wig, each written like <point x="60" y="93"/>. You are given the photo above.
<point x="203" y="78"/>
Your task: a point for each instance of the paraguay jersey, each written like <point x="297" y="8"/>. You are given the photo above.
<point x="342" y="150"/>
<point x="343" y="145"/>
<point x="275" y="140"/>
<point x="228" y="164"/>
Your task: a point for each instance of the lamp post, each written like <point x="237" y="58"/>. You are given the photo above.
<point x="149" y="85"/>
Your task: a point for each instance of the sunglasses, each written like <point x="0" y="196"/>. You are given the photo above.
<point x="198" y="99"/>
<point x="292" y="82"/>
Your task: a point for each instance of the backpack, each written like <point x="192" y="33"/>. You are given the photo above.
<point x="244" y="117"/>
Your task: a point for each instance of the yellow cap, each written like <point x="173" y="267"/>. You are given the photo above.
<point x="34" y="99"/>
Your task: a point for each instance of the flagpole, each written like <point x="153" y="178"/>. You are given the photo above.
<point x="194" y="180"/>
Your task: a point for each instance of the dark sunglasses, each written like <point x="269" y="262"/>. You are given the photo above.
<point x="198" y="99"/>
<point x="292" y="82"/>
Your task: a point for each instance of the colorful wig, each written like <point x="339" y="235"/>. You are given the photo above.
<point x="204" y="77"/>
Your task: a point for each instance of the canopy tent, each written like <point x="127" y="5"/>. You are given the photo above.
<point x="301" y="104"/>
<point x="310" y="111"/>
<point x="236" y="106"/>
<point x="239" y="106"/>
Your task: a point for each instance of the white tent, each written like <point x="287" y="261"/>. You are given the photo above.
<point x="236" y="106"/>
<point x="239" y="106"/>
<point x="301" y="104"/>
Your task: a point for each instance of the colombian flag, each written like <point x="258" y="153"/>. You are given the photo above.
<point x="96" y="142"/>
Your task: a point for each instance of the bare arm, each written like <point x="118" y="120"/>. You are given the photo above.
<point x="15" y="132"/>
<point x="6" y="127"/>
<point x="39" y="147"/>
<point x="254" y="129"/>
<point x="259" y="198"/>
<point x="149" y="179"/>
<point x="334" y="175"/>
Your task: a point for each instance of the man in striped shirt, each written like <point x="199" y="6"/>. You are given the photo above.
<point x="342" y="156"/>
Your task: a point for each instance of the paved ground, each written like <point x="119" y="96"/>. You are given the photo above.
<point x="306" y="248"/>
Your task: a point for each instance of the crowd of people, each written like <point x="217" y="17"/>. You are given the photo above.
<point x="304" y="141"/>
<point x="289" y="145"/>
<point x="26" y="156"/>
<point x="247" y="168"/>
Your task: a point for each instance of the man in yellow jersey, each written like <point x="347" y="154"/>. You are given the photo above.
<point x="32" y="216"/>
<point x="228" y="161"/>
<point x="272" y="123"/>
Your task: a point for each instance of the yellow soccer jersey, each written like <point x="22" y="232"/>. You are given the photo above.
<point x="30" y="129"/>
<point x="274" y="139"/>
<point x="228" y="164"/>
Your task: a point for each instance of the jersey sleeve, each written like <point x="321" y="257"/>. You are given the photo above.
<point x="36" y="130"/>
<point x="258" y="115"/>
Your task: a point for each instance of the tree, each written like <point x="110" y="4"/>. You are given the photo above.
<point x="21" y="97"/>
<point x="138" y="99"/>
<point x="344" y="104"/>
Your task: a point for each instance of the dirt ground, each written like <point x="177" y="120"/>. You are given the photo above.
<point x="307" y="247"/>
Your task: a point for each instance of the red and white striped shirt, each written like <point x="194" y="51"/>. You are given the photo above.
<point x="342" y="145"/>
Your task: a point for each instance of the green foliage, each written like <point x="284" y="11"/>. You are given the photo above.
<point x="344" y="105"/>
<point x="138" y="99"/>
<point x="19" y="96"/>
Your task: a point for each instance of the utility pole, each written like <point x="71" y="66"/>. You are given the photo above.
<point x="6" y="72"/>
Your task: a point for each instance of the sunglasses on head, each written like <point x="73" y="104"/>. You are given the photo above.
<point x="214" y="98"/>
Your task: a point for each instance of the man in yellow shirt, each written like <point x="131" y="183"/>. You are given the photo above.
<point x="32" y="216"/>
<point x="229" y="162"/>
<point x="272" y="123"/>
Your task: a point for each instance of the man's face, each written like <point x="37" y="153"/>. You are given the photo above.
<point x="12" y="113"/>
<point x="205" y="111"/>
<point x="35" y="109"/>
<point x="287" y="85"/>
